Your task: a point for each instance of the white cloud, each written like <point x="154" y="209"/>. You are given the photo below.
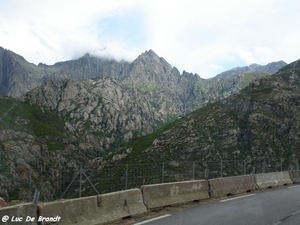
<point x="51" y="31"/>
<point x="263" y="54"/>
<point x="245" y="55"/>
<point x="204" y="37"/>
<point x="210" y="32"/>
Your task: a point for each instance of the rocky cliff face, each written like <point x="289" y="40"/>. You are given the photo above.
<point x="158" y="81"/>
<point x="36" y="151"/>
<point x="27" y="162"/>
<point x="99" y="112"/>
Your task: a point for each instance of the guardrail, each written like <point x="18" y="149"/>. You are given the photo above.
<point x="106" y="208"/>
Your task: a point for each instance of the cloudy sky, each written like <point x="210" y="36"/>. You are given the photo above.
<point x="200" y="36"/>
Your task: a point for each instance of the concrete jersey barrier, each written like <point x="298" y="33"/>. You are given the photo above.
<point x="106" y="208"/>
<point x="276" y="179"/>
<point x="221" y="187"/>
<point x="93" y="210"/>
<point x="159" y="195"/>
<point x="121" y="204"/>
<point x="82" y="211"/>
<point x="295" y="176"/>
<point x="19" y="214"/>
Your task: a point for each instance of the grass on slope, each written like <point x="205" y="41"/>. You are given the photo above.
<point x="21" y="116"/>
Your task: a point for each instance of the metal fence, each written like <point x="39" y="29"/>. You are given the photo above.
<point x="82" y="181"/>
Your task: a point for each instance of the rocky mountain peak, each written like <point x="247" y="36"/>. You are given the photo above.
<point x="151" y="57"/>
<point x="150" y="54"/>
<point x="86" y="55"/>
<point x="150" y="68"/>
<point x="253" y="66"/>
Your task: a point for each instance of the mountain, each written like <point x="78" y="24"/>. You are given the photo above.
<point x="75" y="111"/>
<point x="140" y="98"/>
<point x="258" y="126"/>
<point x="17" y="76"/>
<point x="270" y="68"/>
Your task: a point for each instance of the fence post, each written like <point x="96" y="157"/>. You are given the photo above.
<point x="80" y="179"/>
<point x="206" y="173"/>
<point x="244" y="166"/>
<point x="297" y="163"/>
<point x="193" y="170"/>
<point x="36" y="196"/>
<point x="221" y="168"/>
<point x="281" y="164"/>
<point x="126" y="177"/>
<point x="30" y="184"/>
<point x="253" y="170"/>
<point x="162" y="173"/>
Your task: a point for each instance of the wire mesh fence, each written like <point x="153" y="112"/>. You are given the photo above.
<point x="80" y="181"/>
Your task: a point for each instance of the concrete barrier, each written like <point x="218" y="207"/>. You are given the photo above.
<point x="93" y="210"/>
<point x="19" y="214"/>
<point x="83" y="211"/>
<point x="221" y="187"/>
<point x="295" y="176"/>
<point x="276" y="179"/>
<point x="118" y="205"/>
<point x="159" y="195"/>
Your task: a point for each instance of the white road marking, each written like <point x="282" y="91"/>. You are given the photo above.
<point x="153" y="219"/>
<point x="294" y="186"/>
<point x="230" y="199"/>
<point x="293" y="214"/>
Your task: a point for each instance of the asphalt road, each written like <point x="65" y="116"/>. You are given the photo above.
<point x="271" y="207"/>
